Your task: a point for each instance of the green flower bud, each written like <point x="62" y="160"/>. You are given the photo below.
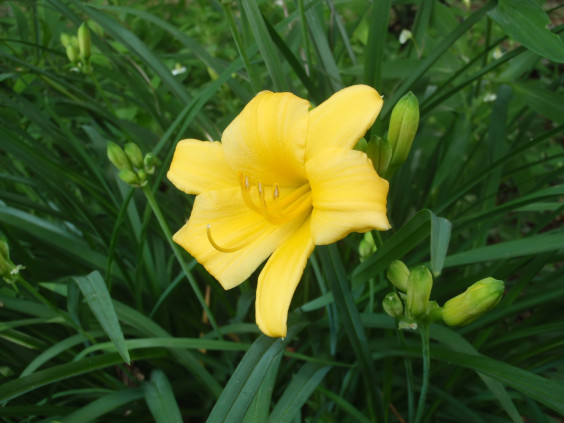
<point x="6" y="265"/>
<point x="397" y="274"/>
<point x="472" y="303"/>
<point x="117" y="156"/>
<point x="392" y="305"/>
<point x="380" y="152"/>
<point x="84" y="42"/>
<point x="142" y="176"/>
<point x="134" y="154"/>
<point x="149" y="163"/>
<point x="367" y="246"/>
<point x="361" y="145"/>
<point x="72" y="53"/>
<point x="419" y="285"/>
<point x="65" y="39"/>
<point x="129" y="177"/>
<point x="403" y="126"/>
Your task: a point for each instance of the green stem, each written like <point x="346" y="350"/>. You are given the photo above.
<point x="426" y="355"/>
<point x="409" y="379"/>
<point x="168" y="235"/>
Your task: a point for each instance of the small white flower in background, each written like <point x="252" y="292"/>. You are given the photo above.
<point x="497" y="53"/>
<point x="405" y="35"/>
<point x="490" y="97"/>
<point x="279" y="3"/>
<point x="178" y="69"/>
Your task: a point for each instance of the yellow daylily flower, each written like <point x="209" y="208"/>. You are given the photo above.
<point x="282" y="180"/>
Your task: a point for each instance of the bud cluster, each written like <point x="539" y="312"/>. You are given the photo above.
<point x="414" y="288"/>
<point x="134" y="168"/>
<point x="78" y="48"/>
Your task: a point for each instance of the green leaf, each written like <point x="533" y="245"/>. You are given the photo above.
<point x="510" y="249"/>
<point x="440" y="238"/>
<point x="297" y="393"/>
<point x="260" y="407"/>
<point x="265" y="44"/>
<point x="160" y="398"/>
<point x="239" y="392"/>
<point x="546" y="391"/>
<point x="455" y="341"/>
<point x="98" y="298"/>
<point x="103" y="405"/>
<point x="17" y="387"/>
<point x="525" y="22"/>
<point x="539" y="99"/>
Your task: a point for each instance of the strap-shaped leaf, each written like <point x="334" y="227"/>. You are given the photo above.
<point x="98" y="298"/>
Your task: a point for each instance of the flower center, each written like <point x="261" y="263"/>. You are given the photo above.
<point x="267" y="200"/>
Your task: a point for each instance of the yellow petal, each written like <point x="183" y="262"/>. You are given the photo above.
<point x="278" y="281"/>
<point x="233" y="226"/>
<point x="347" y="195"/>
<point x="199" y="166"/>
<point x="267" y="140"/>
<point x="343" y="119"/>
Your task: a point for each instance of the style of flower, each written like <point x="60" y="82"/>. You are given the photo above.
<point x="283" y="179"/>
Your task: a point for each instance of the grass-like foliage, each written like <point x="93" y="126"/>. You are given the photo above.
<point x="103" y="317"/>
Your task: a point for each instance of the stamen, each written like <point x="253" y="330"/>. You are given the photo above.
<point x="216" y="246"/>
<point x="276" y="192"/>
<point x="260" y="190"/>
<point x="247" y="183"/>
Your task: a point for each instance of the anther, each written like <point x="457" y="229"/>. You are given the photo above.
<point x="215" y="245"/>
<point x="247" y="183"/>
<point x="276" y="192"/>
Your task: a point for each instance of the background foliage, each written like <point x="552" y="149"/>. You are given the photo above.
<point x="101" y="284"/>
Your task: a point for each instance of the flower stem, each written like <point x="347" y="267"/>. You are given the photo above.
<point x="426" y="355"/>
<point x="168" y="235"/>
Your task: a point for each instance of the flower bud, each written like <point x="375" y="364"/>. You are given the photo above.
<point x="367" y="246"/>
<point x="117" y="156"/>
<point x="129" y="177"/>
<point x="472" y="303"/>
<point x="142" y="175"/>
<point x="65" y="39"/>
<point x="397" y="274"/>
<point x="72" y="53"/>
<point x="392" y="305"/>
<point x="380" y="152"/>
<point x="149" y="163"/>
<point x="6" y="265"/>
<point x="84" y="42"/>
<point x="419" y="286"/>
<point x="134" y="154"/>
<point x="403" y="126"/>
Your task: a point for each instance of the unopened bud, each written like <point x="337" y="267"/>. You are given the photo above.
<point x="134" y="154"/>
<point x="65" y="39"/>
<point x="419" y="285"/>
<point x="142" y="175"/>
<point x="367" y="246"/>
<point x="117" y="156"/>
<point x="129" y="177"/>
<point x="472" y="303"/>
<point x="149" y="163"/>
<point x="84" y="42"/>
<point x="72" y="53"/>
<point x="380" y="152"/>
<point x="6" y="265"/>
<point x="397" y="274"/>
<point x="403" y="127"/>
<point x="392" y="305"/>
